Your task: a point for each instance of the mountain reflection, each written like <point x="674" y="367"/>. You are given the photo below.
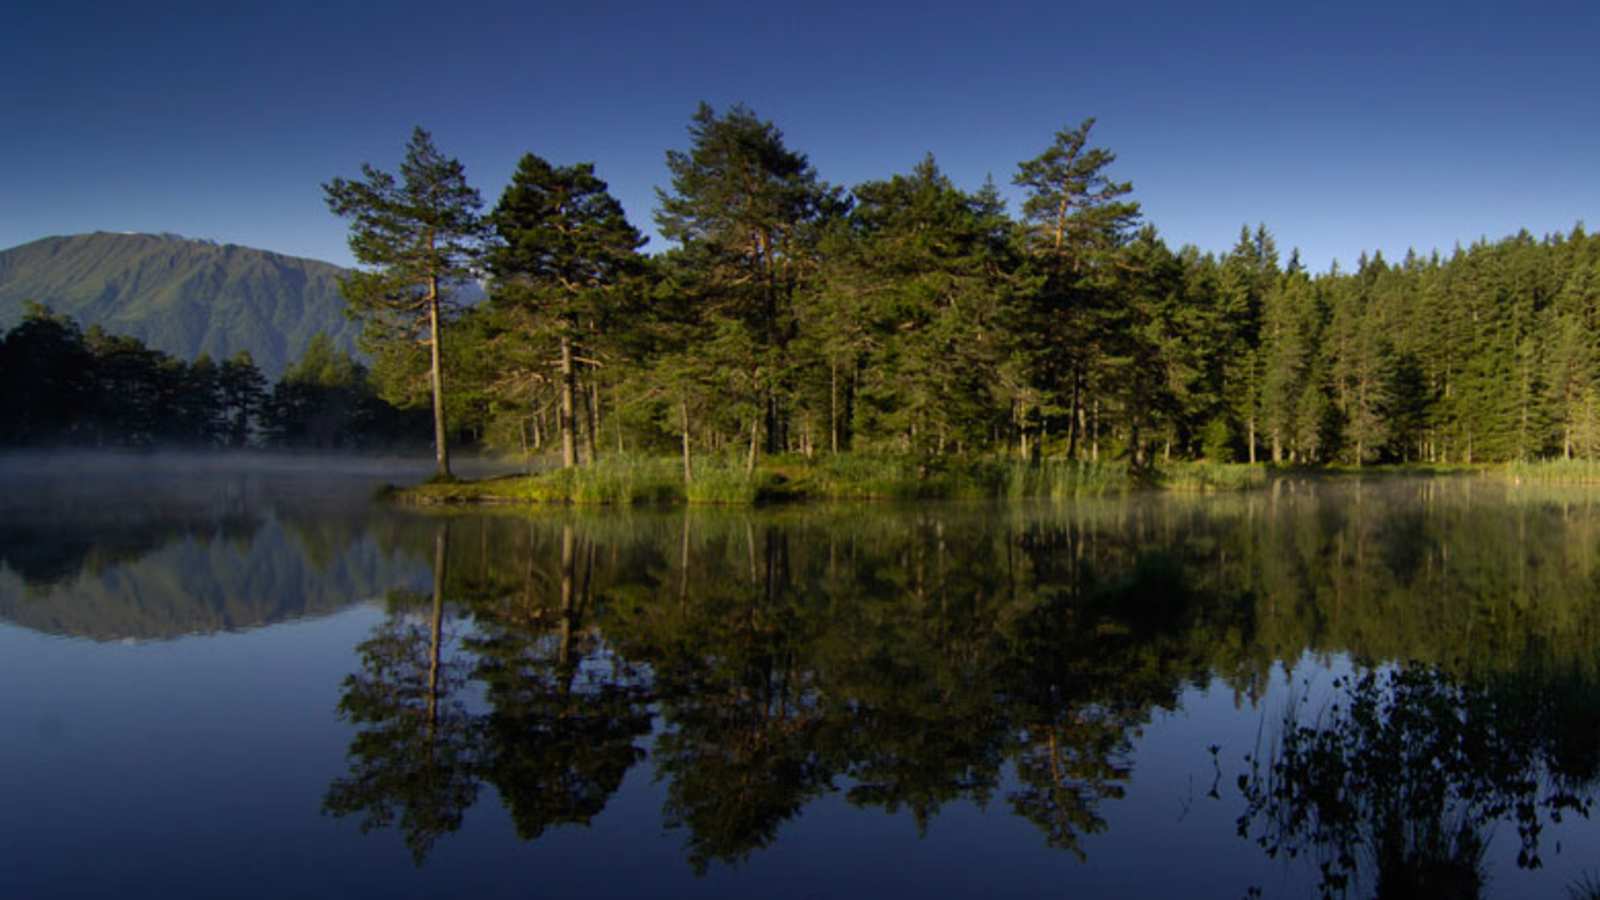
<point x="915" y="659"/>
<point x="157" y="554"/>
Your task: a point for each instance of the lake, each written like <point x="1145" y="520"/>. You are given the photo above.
<point x="262" y="683"/>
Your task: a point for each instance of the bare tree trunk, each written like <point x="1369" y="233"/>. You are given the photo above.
<point x="1094" y="432"/>
<point x="616" y="418"/>
<point x="833" y="405"/>
<point x="595" y="431"/>
<point x="774" y="430"/>
<point x="688" y="469"/>
<point x="441" y="449"/>
<point x="569" y="443"/>
<point x="1250" y="427"/>
<point x="1074" y="420"/>
<point x="591" y="424"/>
<point x="755" y="436"/>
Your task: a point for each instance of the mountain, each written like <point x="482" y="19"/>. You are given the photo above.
<point x="182" y="296"/>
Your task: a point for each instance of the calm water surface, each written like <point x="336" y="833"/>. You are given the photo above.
<point x="265" y="685"/>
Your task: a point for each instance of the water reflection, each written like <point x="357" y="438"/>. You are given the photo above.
<point x="158" y="553"/>
<point x="1398" y="784"/>
<point x="912" y="660"/>
<point x="739" y="669"/>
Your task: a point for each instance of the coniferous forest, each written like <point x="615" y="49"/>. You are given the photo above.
<point x="95" y="389"/>
<point x="903" y="316"/>
<point x="910" y="315"/>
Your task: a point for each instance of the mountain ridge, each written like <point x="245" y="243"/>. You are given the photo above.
<point x="183" y="296"/>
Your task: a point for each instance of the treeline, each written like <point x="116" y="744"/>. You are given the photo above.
<point x="75" y="388"/>
<point x="909" y="315"/>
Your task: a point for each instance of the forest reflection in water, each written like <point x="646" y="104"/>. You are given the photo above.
<point x="913" y="658"/>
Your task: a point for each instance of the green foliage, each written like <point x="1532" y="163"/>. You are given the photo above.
<point x="917" y="319"/>
<point x="102" y="390"/>
<point x="419" y="238"/>
<point x="564" y="255"/>
<point x="1217" y="443"/>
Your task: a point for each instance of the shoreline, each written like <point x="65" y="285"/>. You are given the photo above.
<point x="659" y="482"/>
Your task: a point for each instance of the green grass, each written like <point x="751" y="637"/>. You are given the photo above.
<point x="1063" y="479"/>
<point x="623" y="481"/>
<point x="1554" y="471"/>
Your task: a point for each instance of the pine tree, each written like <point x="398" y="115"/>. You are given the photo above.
<point x="1075" y="215"/>
<point x="420" y="237"/>
<point x="564" y="250"/>
<point x="745" y="209"/>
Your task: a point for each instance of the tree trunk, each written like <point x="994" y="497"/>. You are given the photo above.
<point x="569" y="443"/>
<point x="1094" y="432"/>
<point x="833" y="405"/>
<point x="1250" y="427"/>
<point x="1074" y="420"/>
<point x="1020" y="417"/>
<point x="774" y="432"/>
<point x="688" y="469"/>
<point x="596" y="432"/>
<point x="591" y="420"/>
<point x="755" y="437"/>
<point x="441" y="449"/>
<point x="616" y="417"/>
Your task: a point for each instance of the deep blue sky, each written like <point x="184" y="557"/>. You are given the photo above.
<point x="1341" y="127"/>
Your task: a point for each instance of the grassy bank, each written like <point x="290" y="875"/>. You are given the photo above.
<point x="641" y="481"/>
<point x="630" y="482"/>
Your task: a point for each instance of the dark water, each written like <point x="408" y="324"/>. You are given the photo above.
<point x="263" y="685"/>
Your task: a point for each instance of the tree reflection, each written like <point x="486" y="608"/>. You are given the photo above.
<point x="762" y="662"/>
<point x="1398" y="784"/>
<point x="411" y="760"/>
<point x="563" y="718"/>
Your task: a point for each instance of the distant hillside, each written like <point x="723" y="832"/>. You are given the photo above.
<point x="185" y="297"/>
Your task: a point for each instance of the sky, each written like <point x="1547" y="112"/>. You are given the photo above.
<point x="1342" y="127"/>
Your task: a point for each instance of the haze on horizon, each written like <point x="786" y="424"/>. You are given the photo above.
<point x="1343" y="130"/>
